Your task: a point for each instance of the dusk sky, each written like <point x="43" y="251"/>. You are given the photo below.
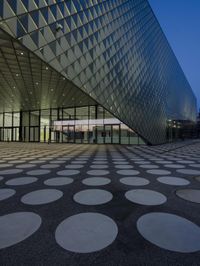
<point x="180" y="21"/>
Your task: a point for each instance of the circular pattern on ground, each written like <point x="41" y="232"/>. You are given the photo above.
<point x="124" y="166"/>
<point x="21" y="181"/>
<point x="185" y="161"/>
<point x="192" y="195"/>
<point x="93" y="197"/>
<point x="196" y="165"/>
<point x="128" y="172"/>
<point x="58" y="181"/>
<point x="175" y="166"/>
<point x="98" y="166"/>
<point x="158" y="172"/>
<point x="170" y="232"/>
<point x="96" y="181"/>
<point x="5" y="165"/>
<point x="38" y="172"/>
<point x="149" y="166"/>
<point x="6" y="193"/>
<point x="24" y="166"/>
<point x="98" y="172"/>
<point x="86" y="232"/>
<point x="74" y="166"/>
<point x="145" y="197"/>
<point x="49" y="166"/>
<point x="68" y="172"/>
<point x="174" y="181"/>
<point x="11" y="171"/>
<point x="134" y="181"/>
<point x="188" y="171"/>
<point x="42" y="196"/>
<point x="15" y="227"/>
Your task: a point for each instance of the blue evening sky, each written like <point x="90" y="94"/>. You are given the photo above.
<point x="180" y="21"/>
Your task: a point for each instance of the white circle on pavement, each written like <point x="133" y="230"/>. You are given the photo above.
<point x="149" y="166"/>
<point x="120" y="163"/>
<point x="169" y="231"/>
<point x="175" y="166"/>
<point x="11" y="171"/>
<point x="92" y="197"/>
<point x="18" y="161"/>
<point x="24" y="166"/>
<point x="37" y="161"/>
<point x="57" y="162"/>
<point x="174" y="181"/>
<point x="6" y="193"/>
<point x="96" y="181"/>
<point x="68" y="172"/>
<point x="188" y="171"/>
<point x="42" y="196"/>
<point x="98" y="166"/>
<point x="49" y="166"/>
<point x="58" y="181"/>
<point x="98" y="172"/>
<point x="142" y="162"/>
<point x="158" y="172"/>
<point x="185" y="161"/>
<point x="196" y="165"/>
<point x="16" y="227"/>
<point x="163" y="162"/>
<point x="124" y="166"/>
<point x="78" y="162"/>
<point x="134" y="181"/>
<point x="192" y="195"/>
<point x="145" y="197"/>
<point x="5" y="165"/>
<point x="74" y="166"/>
<point x="21" y="181"/>
<point x="38" y="172"/>
<point x="86" y="232"/>
<point x="128" y="172"/>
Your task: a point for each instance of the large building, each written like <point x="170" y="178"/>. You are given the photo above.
<point x="88" y="72"/>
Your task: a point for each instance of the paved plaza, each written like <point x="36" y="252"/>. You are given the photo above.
<point x="88" y="205"/>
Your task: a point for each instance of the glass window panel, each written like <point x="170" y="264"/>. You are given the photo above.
<point x="7" y="119"/>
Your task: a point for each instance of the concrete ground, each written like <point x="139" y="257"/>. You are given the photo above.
<point x="94" y="205"/>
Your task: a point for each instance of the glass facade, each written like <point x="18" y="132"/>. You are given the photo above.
<point x="88" y="124"/>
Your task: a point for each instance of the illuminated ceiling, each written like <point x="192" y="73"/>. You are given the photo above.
<point x="26" y="82"/>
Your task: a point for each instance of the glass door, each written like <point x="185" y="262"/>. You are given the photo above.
<point x="71" y="134"/>
<point x="8" y="134"/>
<point x="1" y="134"/>
<point x="108" y="134"/>
<point x="115" y="134"/>
<point x="68" y="134"/>
<point x="15" y="135"/>
<point x="65" y="134"/>
<point x="34" y="134"/>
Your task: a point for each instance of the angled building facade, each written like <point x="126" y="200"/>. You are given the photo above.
<point x="88" y="71"/>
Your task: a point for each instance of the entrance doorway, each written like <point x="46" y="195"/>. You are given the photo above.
<point x="112" y="134"/>
<point x="68" y="134"/>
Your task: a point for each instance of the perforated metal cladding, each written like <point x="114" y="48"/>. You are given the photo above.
<point x="114" y="50"/>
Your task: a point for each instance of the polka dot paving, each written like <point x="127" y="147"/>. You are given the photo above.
<point x="81" y="233"/>
<point x="74" y="199"/>
<point x="93" y="197"/>
<point x="170" y="232"/>
<point x="16" y="227"/>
